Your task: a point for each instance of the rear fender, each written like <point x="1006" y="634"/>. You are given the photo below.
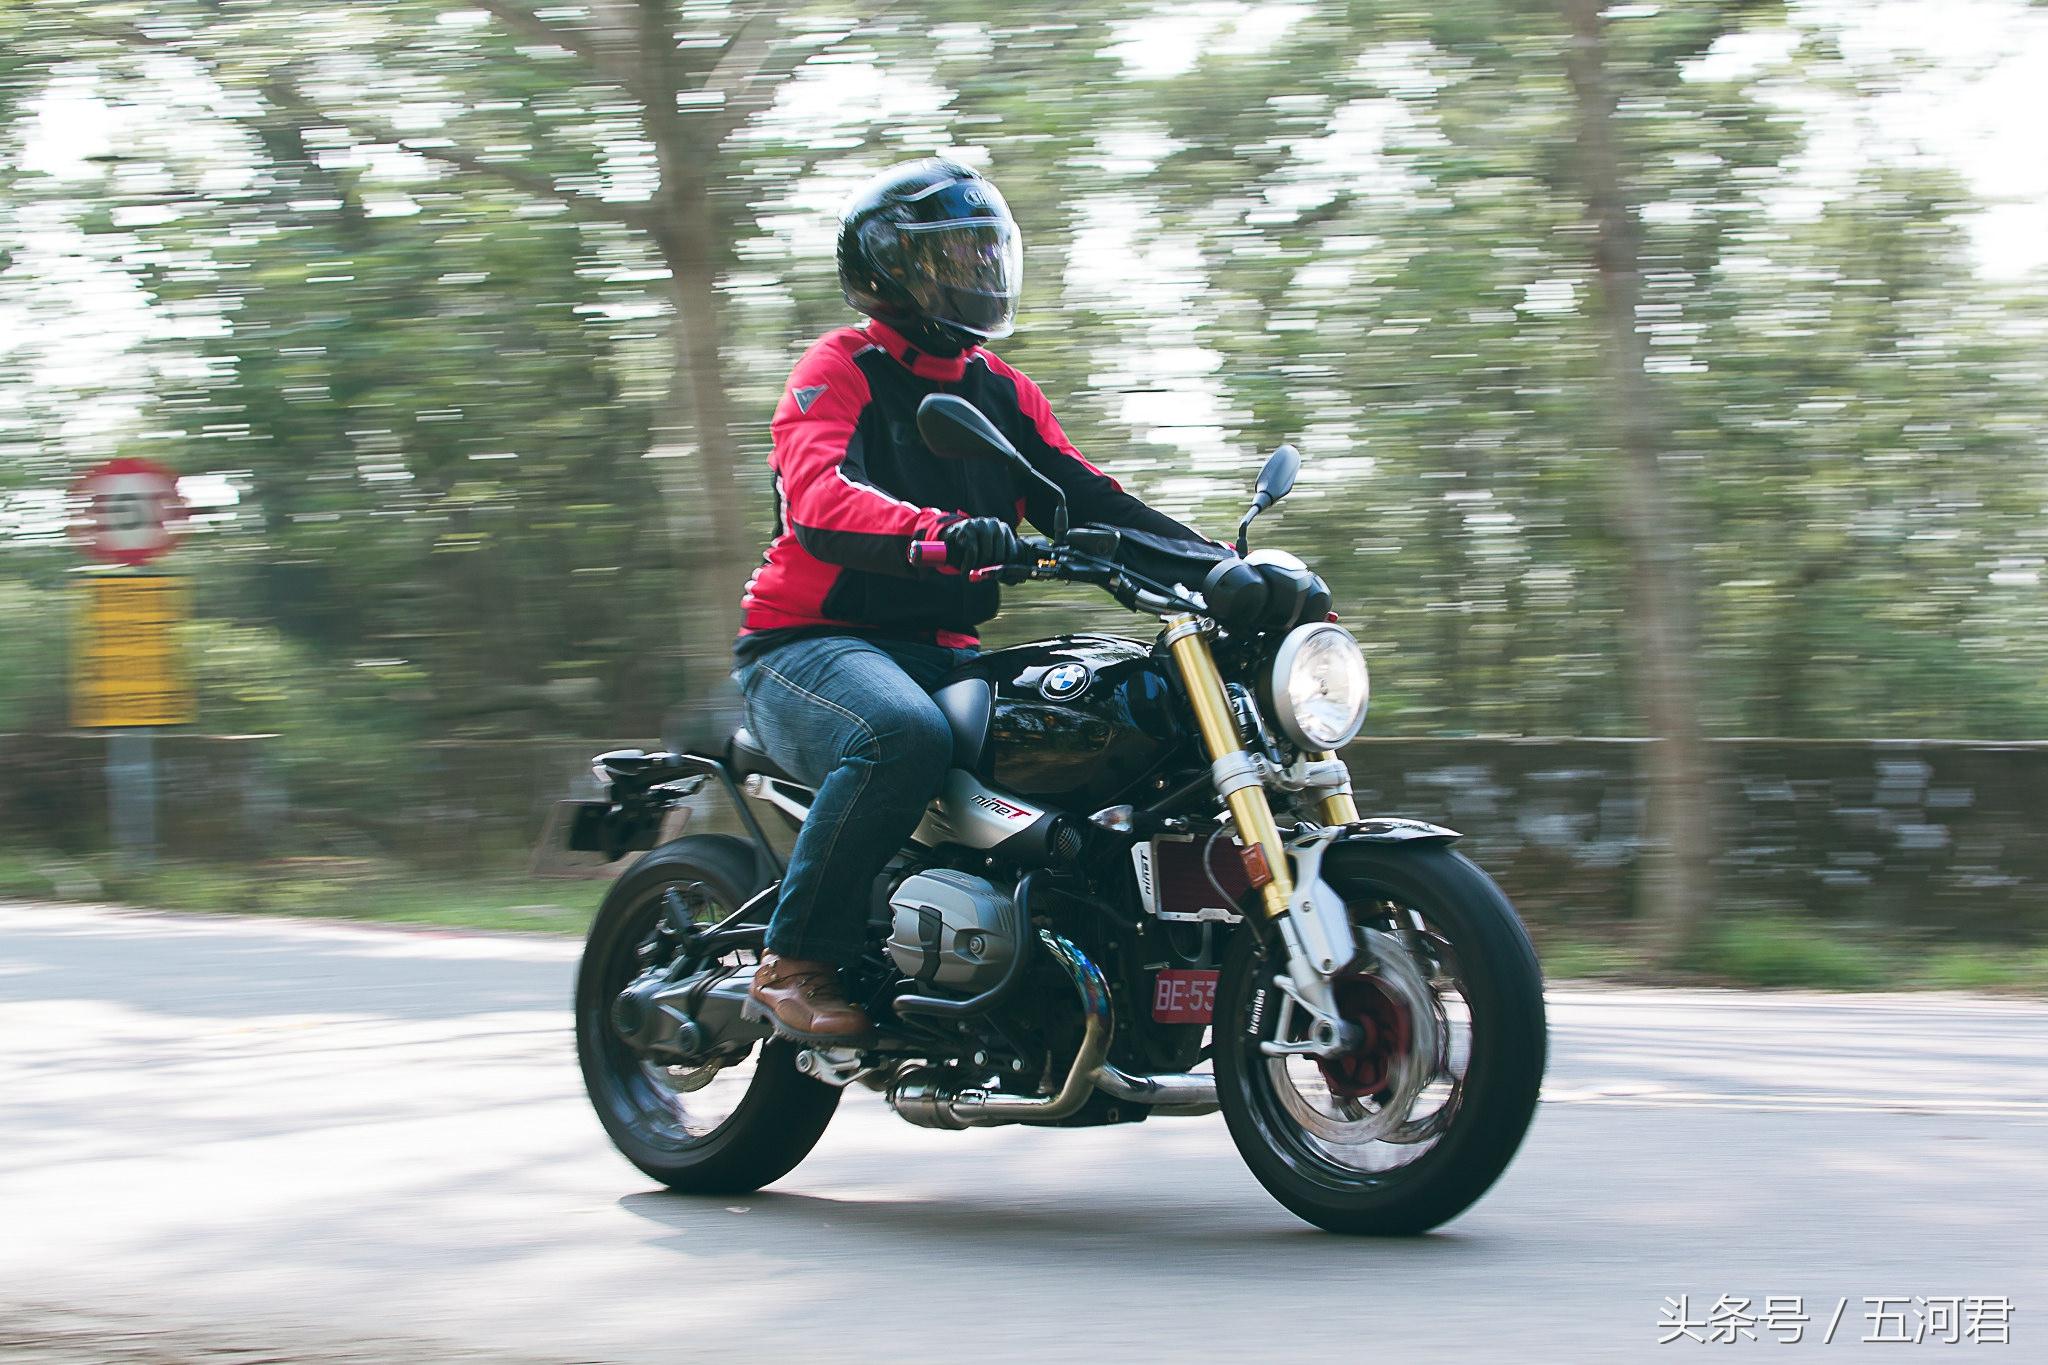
<point x="686" y="765"/>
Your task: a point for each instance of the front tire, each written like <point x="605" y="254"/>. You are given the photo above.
<point x="670" y="1122"/>
<point x="1310" y="1131"/>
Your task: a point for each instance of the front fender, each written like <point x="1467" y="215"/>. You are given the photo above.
<point x="1394" y="829"/>
<point x="1321" y="920"/>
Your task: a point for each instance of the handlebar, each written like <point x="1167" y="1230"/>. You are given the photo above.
<point x="931" y="554"/>
<point x="1044" y="560"/>
<point x="1033" y="559"/>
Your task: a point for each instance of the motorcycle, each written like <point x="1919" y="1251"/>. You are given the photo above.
<point x="1146" y="857"/>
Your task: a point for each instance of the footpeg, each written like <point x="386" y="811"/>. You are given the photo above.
<point x="835" y="1066"/>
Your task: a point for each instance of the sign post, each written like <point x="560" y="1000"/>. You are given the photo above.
<point x="127" y="667"/>
<point x="131" y="795"/>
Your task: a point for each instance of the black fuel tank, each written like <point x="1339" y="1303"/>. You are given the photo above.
<point x="1078" y="719"/>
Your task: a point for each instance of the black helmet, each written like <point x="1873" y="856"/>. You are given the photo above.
<point x="930" y="248"/>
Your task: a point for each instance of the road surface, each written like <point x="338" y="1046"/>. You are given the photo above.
<point x="238" y="1139"/>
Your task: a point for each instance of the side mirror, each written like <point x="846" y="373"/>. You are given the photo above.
<point x="957" y="430"/>
<point x="1276" y="481"/>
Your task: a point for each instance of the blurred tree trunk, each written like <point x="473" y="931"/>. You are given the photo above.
<point x="1662" y="658"/>
<point x="694" y="248"/>
<point x="717" y="551"/>
<point x="633" y="44"/>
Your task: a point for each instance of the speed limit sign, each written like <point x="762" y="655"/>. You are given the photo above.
<point x="130" y="505"/>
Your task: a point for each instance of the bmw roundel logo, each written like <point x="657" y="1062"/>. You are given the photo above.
<point x="1063" y="680"/>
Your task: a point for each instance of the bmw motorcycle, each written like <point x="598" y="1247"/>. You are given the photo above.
<point x="1143" y="892"/>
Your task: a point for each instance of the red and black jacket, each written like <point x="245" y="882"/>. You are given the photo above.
<point x="855" y="486"/>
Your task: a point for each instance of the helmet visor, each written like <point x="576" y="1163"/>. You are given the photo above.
<point x="965" y="274"/>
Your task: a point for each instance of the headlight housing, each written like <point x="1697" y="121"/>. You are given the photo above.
<point x="1320" y="686"/>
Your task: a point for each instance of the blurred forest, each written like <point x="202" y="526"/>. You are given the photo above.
<point x="1649" y="374"/>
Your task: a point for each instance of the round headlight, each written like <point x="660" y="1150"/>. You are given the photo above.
<point x="1320" y="686"/>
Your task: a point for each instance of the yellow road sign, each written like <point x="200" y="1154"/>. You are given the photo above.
<point x="127" y="661"/>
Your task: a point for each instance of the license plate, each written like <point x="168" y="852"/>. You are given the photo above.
<point x="1184" y="995"/>
<point x="583" y="830"/>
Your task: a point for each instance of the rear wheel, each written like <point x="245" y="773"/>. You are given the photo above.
<point x="1413" y="1125"/>
<point x="722" y="1128"/>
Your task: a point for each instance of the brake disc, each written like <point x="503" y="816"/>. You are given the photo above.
<point x="1372" y="1089"/>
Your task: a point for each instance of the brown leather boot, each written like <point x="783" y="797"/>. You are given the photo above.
<point x="803" y="999"/>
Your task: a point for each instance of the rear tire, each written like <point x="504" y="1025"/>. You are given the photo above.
<point x="782" y="1114"/>
<point x="1491" y="1102"/>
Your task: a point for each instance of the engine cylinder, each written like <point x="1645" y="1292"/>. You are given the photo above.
<point x="951" y="930"/>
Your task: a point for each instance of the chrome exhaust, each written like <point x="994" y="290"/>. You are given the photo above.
<point x="918" y="1094"/>
<point x="919" y="1097"/>
<point x="1172" y="1092"/>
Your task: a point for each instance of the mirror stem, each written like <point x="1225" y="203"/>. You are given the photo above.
<point x="1059" y="498"/>
<point x="1259" y="504"/>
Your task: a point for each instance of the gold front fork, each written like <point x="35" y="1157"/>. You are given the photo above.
<point x="1189" y="645"/>
<point x="1337" y="808"/>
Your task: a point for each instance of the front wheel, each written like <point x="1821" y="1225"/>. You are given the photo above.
<point x="1413" y="1125"/>
<point x="725" y="1127"/>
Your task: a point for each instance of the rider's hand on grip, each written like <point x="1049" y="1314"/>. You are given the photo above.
<point x="979" y="543"/>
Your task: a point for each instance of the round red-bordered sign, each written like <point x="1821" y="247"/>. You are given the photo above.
<point x="130" y="506"/>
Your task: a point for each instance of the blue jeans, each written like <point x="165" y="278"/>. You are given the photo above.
<point x="853" y="716"/>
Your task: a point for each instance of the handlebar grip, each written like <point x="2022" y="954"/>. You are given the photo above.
<point x="928" y="554"/>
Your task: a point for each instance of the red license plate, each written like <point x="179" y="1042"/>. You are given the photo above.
<point x="1184" y="995"/>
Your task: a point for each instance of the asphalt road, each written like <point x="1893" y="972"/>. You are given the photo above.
<point x="228" y="1139"/>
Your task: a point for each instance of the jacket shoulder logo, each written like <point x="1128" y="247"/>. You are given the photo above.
<point x="1063" y="680"/>
<point x="806" y="397"/>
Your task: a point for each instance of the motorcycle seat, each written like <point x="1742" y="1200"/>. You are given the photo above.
<point x="745" y="756"/>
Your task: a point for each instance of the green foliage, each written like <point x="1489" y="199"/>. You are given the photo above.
<point x="338" y="888"/>
<point x="1762" y="949"/>
<point x="442" y="381"/>
<point x="1574" y="956"/>
<point x="26" y="878"/>
<point x="1967" y="968"/>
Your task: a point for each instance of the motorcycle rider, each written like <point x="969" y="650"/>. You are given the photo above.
<point x="844" y="638"/>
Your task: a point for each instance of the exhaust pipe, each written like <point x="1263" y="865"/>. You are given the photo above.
<point x="1172" y="1092"/>
<point x="918" y="1096"/>
<point x="719" y="1024"/>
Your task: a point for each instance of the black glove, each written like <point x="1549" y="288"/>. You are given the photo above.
<point x="978" y="542"/>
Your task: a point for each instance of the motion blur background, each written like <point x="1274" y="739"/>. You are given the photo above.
<point x="1670" y="376"/>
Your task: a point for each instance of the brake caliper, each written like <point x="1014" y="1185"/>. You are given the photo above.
<point x="1388" y="1033"/>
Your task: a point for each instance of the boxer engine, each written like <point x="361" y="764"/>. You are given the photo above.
<point x="951" y="930"/>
